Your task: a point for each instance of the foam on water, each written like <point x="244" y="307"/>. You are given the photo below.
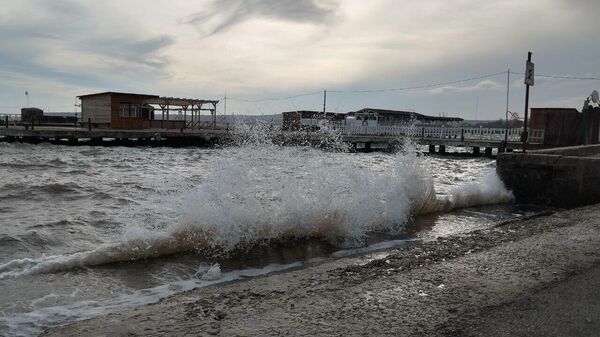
<point x="33" y="322"/>
<point x="258" y="192"/>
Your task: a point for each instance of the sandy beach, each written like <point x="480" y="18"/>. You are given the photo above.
<point x="532" y="277"/>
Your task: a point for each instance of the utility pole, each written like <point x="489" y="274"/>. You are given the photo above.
<point x="506" y="118"/>
<point x="529" y="80"/>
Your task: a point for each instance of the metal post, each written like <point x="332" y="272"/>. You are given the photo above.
<point x="525" y="135"/>
<point x="89" y="124"/>
<point x="506" y="121"/>
<point x="167" y="115"/>
<point x="32" y="124"/>
<point x="214" y="112"/>
<point x="6" y="119"/>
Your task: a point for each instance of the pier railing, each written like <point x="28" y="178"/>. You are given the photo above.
<point x="462" y="133"/>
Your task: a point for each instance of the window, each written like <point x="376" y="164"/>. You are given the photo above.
<point x="129" y="110"/>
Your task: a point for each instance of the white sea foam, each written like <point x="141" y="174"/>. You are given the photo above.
<point x="258" y="192"/>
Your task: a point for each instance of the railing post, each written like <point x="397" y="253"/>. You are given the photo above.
<point x="227" y="127"/>
<point x="423" y="132"/>
<point x="32" y="124"/>
<point x="6" y="119"/>
<point x="462" y="135"/>
<point x="89" y="124"/>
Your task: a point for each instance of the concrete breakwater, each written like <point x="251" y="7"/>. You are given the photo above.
<point x="561" y="177"/>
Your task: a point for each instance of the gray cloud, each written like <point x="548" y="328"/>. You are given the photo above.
<point x="69" y="26"/>
<point x="223" y="14"/>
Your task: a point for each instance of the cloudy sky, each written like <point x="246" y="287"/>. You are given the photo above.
<point x="262" y="52"/>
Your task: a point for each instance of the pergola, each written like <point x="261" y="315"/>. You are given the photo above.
<point x="182" y="106"/>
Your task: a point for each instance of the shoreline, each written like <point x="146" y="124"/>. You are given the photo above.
<point x="472" y="284"/>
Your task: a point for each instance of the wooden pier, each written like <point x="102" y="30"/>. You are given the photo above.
<point x="70" y="135"/>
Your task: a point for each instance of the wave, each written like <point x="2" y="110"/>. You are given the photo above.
<point x="259" y="193"/>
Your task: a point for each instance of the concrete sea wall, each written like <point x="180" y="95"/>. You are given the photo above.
<point x="562" y="177"/>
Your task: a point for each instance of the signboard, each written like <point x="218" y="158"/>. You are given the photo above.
<point x="529" y="73"/>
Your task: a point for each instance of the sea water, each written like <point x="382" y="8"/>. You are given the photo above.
<point x="89" y="230"/>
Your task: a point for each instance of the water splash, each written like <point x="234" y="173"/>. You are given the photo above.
<point x="257" y="192"/>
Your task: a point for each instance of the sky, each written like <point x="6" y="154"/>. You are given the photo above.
<point x="269" y="56"/>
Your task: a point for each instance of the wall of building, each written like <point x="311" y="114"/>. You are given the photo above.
<point x="590" y="126"/>
<point x="291" y="120"/>
<point x="559" y="125"/>
<point x="119" y="122"/>
<point x="98" y="108"/>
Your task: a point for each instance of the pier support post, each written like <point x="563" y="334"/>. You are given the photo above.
<point x="476" y="151"/>
<point x="431" y="148"/>
<point x="488" y="151"/>
<point x="442" y="149"/>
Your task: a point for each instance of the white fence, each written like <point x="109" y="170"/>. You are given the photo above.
<point x="514" y="134"/>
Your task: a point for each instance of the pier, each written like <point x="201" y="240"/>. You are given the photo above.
<point x="477" y="140"/>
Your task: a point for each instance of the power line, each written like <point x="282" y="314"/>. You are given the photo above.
<point x="563" y="77"/>
<point x="424" y="86"/>
<point x="275" y="98"/>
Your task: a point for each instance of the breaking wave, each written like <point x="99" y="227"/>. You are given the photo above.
<point x="260" y="192"/>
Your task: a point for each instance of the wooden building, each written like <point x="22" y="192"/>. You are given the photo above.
<point x="305" y="119"/>
<point x="589" y="127"/>
<point x="117" y="110"/>
<point x="560" y="126"/>
<point x="383" y="117"/>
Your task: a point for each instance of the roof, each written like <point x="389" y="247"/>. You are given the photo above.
<point x="553" y="109"/>
<point x="118" y="93"/>
<point x="155" y="99"/>
<point x="312" y="112"/>
<point x="406" y="113"/>
<point x="387" y="112"/>
<point x="179" y="101"/>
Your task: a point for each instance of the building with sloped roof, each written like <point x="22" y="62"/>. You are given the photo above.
<point x="383" y="117"/>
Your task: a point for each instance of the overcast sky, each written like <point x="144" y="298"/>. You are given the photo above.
<point x="262" y="49"/>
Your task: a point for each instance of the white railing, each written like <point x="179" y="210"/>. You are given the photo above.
<point x="514" y="134"/>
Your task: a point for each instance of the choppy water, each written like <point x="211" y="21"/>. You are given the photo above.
<point x="86" y="230"/>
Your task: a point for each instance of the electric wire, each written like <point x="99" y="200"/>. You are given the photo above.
<point x="562" y="77"/>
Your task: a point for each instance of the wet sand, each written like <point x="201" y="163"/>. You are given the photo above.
<point x="534" y="277"/>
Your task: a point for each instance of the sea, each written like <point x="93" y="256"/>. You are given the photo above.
<point x="91" y="230"/>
